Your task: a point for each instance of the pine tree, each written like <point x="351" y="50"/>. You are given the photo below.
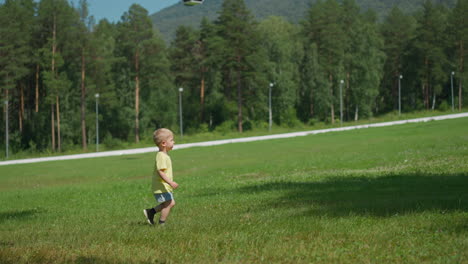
<point x="159" y="92"/>
<point x="430" y="48"/>
<point x="324" y="29"/>
<point x="185" y="69"/>
<point x="134" y="30"/>
<point x="16" y="20"/>
<point x="397" y="30"/>
<point x="55" y="18"/>
<point x="237" y="29"/>
<point x="84" y="36"/>
<point x="209" y="57"/>
<point x="459" y="24"/>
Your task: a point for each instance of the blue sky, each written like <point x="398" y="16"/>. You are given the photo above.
<point x="114" y="9"/>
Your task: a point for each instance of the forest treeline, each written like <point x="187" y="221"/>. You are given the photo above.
<point x="55" y="59"/>
<point x="169" y="19"/>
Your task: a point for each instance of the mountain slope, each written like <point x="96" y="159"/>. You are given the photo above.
<point x="168" y="19"/>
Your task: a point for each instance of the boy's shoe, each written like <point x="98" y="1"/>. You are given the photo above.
<point x="149" y="213"/>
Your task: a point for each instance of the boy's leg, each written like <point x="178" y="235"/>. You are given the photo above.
<point x="165" y="209"/>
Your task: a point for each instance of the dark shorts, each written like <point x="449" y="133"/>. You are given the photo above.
<point x="163" y="197"/>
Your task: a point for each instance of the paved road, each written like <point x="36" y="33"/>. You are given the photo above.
<point x="227" y="141"/>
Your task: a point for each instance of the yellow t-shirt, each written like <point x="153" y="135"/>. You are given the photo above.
<point x="162" y="162"/>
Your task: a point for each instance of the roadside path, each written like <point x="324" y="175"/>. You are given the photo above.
<point x="227" y="141"/>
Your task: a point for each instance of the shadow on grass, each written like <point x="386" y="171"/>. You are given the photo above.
<point x="18" y="214"/>
<point x="379" y="196"/>
<point x="93" y="259"/>
<point x="141" y="222"/>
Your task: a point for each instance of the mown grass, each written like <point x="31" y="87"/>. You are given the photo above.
<point x="380" y="195"/>
<point x="195" y="135"/>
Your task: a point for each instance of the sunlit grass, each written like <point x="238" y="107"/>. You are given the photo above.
<point x="381" y="195"/>
<point x="198" y="136"/>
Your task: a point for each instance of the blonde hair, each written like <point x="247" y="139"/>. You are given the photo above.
<point x="161" y="135"/>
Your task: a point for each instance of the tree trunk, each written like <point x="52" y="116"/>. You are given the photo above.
<point x="426" y="86"/>
<point x="346" y="95"/>
<point x="37" y="88"/>
<point x="202" y="97"/>
<point x="239" y="102"/>
<point x="21" y="111"/>
<point x="52" y="118"/>
<point x="83" y="101"/>
<point x="53" y="74"/>
<point x="395" y="82"/>
<point x="356" y="113"/>
<point x="462" y="55"/>
<point x="311" y="104"/>
<point x="332" y="106"/>
<point x="57" y="105"/>
<point x="137" y="97"/>
<point x="424" y="94"/>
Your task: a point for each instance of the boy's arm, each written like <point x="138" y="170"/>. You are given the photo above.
<point x="163" y="176"/>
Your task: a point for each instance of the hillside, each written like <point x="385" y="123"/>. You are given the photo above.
<point x="168" y="19"/>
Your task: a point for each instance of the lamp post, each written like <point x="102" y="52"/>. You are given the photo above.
<point x="399" y="94"/>
<point x="97" y="121"/>
<point x="270" y="114"/>
<point x="6" y="128"/>
<point x="180" y="112"/>
<point x="341" y="102"/>
<point x="451" y="84"/>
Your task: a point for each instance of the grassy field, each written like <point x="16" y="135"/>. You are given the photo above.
<point x="381" y="195"/>
<point x="198" y="136"/>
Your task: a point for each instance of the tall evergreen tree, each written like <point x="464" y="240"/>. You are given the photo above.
<point x="398" y="31"/>
<point x="237" y="28"/>
<point x="459" y="25"/>
<point x="185" y="70"/>
<point x="134" y="30"/>
<point x="313" y="95"/>
<point x="159" y="92"/>
<point x="84" y="37"/>
<point x="209" y="55"/>
<point x="16" y="22"/>
<point x="324" y="29"/>
<point x="56" y="18"/>
<point x="351" y="21"/>
<point x="102" y="46"/>
<point x="431" y="40"/>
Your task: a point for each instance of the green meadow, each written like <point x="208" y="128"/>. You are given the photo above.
<point x="381" y="195"/>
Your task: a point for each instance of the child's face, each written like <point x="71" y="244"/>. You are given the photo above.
<point x="169" y="143"/>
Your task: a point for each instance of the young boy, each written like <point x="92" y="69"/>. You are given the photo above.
<point x="163" y="184"/>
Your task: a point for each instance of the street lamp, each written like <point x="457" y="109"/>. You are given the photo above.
<point x="270" y="114"/>
<point x="399" y="94"/>
<point x="180" y="111"/>
<point x="451" y="84"/>
<point x="6" y="128"/>
<point x="97" y="121"/>
<point x="341" y="102"/>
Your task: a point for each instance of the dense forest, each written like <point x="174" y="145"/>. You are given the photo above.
<point x="169" y="19"/>
<point x="58" y="66"/>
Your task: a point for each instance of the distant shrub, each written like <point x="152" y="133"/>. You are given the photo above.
<point x="247" y="125"/>
<point x="444" y="106"/>
<point x="312" y="121"/>
<point x="225" y="127"/>
<point x="111" y="142"/>
<point x="262" y="125"/>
